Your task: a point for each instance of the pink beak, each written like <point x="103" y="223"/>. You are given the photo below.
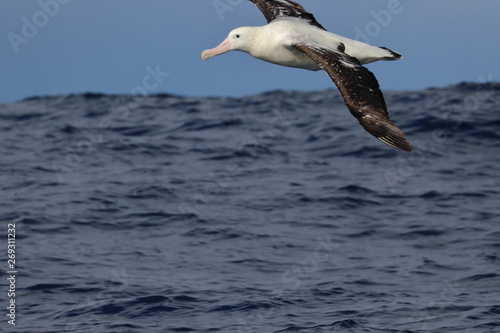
<point x="222" y="48"/>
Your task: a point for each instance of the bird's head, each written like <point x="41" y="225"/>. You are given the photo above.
<point x="240" y="39"/>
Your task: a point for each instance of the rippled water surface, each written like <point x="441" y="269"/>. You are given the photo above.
<point x="269" y="213"/>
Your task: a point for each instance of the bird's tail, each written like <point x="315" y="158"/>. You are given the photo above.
<point x="391" y="55"/>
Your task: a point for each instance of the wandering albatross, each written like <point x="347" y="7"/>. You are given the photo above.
<point x="294" y="38"/>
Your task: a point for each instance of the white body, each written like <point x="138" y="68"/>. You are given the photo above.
<point x="273" y="43"/>
<point x="274" y="40"/>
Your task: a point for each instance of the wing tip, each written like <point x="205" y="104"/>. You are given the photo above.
<point x="386" y="131"/>
<point x="400" y="143"/>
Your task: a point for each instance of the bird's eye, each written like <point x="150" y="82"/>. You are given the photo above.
<point x="237" y="36"/>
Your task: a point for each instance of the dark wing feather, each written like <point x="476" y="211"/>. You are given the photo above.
<point x="273" y="9"/>
<point x="360" y="91"/>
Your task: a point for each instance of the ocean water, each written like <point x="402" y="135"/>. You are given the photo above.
<point x="274" y="212"/>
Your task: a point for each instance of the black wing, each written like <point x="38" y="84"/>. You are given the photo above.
<point x="360" y="91"/>
<point x="273" y="9"/>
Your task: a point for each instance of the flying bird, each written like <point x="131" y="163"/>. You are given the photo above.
<point x="294" y="38"/>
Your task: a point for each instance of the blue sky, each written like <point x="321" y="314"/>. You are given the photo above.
<point x="51" y="47"/>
